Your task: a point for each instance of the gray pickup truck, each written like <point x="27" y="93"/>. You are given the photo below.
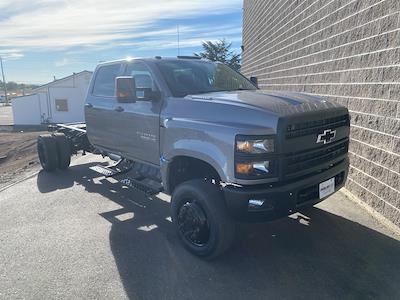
<point x="203" y="133"/>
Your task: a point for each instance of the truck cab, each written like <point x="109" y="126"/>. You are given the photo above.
<point x="223" y="149"/>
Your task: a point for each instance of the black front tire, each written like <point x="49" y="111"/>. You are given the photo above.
<point x="47" y="151"/>
<point x="199" y="206"/>
<point x="63" y="150"/>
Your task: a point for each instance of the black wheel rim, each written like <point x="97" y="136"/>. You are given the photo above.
<point x="193" y="224"/>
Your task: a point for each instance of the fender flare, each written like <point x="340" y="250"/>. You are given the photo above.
<point x="217" y="162"/>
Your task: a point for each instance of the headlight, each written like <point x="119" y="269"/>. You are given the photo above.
<point x="255" y="157"/>
<point x="255" y="146"/>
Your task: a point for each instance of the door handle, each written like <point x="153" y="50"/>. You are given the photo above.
<point x="89" y="105"/>
<point x="119" y="109"/>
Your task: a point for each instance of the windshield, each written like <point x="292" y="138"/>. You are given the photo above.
<point x="186" y="77"/>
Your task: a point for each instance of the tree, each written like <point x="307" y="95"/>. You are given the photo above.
<point x="12" y="86"/>
<point x="220" y="51"/>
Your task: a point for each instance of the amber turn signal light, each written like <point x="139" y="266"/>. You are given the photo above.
<point x="244" y="168"/>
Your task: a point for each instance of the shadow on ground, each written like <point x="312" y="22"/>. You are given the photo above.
<point x="316" y="255"/>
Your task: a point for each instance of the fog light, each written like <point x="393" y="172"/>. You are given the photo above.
<point x="259" y="205"/>
<point x="254" y="203"/>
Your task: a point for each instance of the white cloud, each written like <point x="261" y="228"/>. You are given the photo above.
<point x="11" y="54"/>
<point x="168" y="43"/>
<point x="66" y="61"/>
<point x="167" y="39"/>
<point x="62" y="24"/>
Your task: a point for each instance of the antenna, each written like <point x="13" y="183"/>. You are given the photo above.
<point x="177" y="31"/>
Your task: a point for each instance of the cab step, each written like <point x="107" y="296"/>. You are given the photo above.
<point x="106" y="171"/>
<point x="121" y="167"/>
<point x="145" y="185"/>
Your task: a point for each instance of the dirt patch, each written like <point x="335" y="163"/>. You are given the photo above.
<point x="17" y="154"/>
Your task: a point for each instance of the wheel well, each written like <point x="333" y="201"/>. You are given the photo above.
<point x="185" y="168"/>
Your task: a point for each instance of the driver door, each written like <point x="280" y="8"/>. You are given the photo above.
<point x="139" y="122"/>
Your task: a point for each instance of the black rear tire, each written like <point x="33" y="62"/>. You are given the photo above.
<point x="47" y="151"/>
<point x="63" y="150"/>
<point x="201" y="218"/>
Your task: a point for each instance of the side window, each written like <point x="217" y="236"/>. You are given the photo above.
<point x="143" y="78"/>
<point x="104" y="84"/>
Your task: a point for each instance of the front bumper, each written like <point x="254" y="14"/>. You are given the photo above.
<point x="281" y="200"/>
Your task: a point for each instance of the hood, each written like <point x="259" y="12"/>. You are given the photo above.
<point x="278" y="103"/>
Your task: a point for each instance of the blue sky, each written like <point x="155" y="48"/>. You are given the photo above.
<point x="40" y="39"/>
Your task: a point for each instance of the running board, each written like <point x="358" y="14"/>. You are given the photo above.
<point x="120" y="167"/>
<point x="134" y="180"/>
<point x="147" y="186"/>
<point x="108" y="172"/>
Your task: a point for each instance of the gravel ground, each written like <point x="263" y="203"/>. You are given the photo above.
<point x="18" y="155"/>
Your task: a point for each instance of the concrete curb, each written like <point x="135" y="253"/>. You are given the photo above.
<point x="376" y="215"/>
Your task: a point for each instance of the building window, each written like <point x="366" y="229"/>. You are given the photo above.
<point x="61" y="105"/>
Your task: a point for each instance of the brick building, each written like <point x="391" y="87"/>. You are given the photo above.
<point x="346" y="51"/>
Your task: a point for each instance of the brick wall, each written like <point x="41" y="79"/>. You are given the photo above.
<point x="347" y="51"/>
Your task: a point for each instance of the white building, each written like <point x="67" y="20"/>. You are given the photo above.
<point x="60" y="101"/>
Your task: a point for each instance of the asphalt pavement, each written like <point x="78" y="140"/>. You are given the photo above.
<point x="77" y="235"/>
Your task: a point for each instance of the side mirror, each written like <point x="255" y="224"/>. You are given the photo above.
<point x="125" y="89"/>
<point x="254" y="80"/>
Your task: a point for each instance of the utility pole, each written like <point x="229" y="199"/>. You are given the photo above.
<point x="4" y="81"/>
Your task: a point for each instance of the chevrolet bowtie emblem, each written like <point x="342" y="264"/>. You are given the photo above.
<point x="326" y="137"/>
